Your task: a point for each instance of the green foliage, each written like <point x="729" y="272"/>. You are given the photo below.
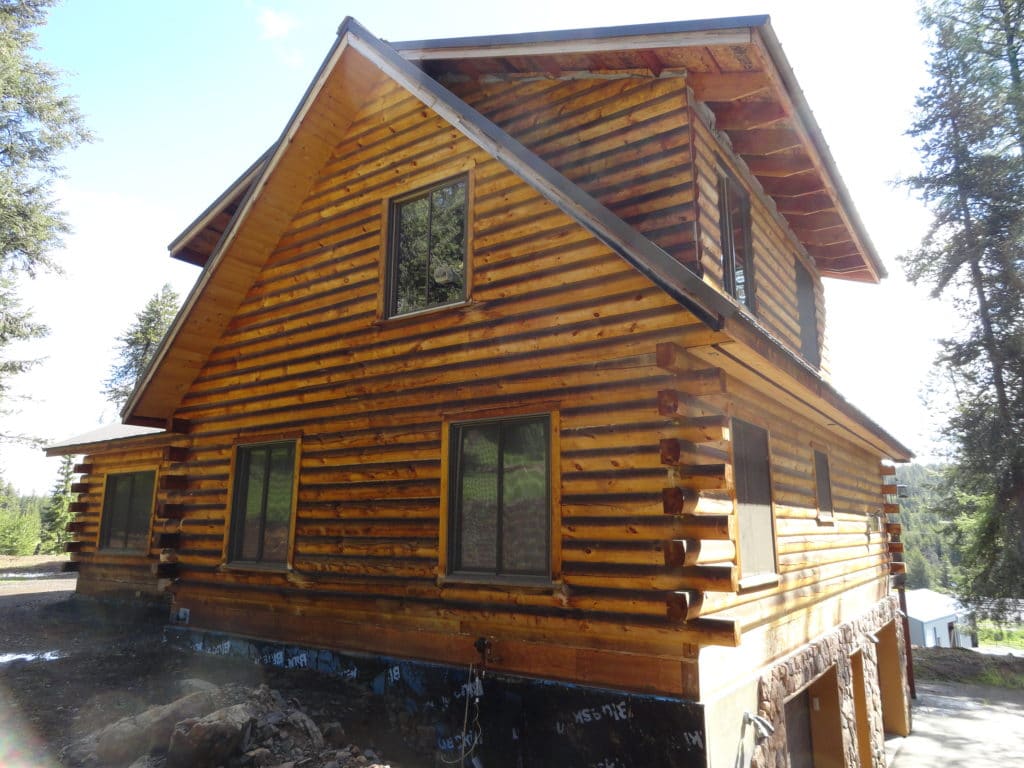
<point x="57" y="514"/>
<point x="970" y="127"/>
<point x="37" y="123"/>
<point x="994" y="633"/>
<point x="19" y="522"/>
<point x="139" y="343"/>
<point x="932" y="552"/>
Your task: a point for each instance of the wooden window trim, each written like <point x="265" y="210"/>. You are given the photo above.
<point x="245" y="565"/>
<point x="517" y="583"/>
<point x="807" y="301"/>
<point x="388" y="224"/>
<point x="103" y="548"/>
<point x="761" y="579"/>
<point x="825" y="516"/>
<point x="728" y="188"/>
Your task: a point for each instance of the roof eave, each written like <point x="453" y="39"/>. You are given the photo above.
<point x="810" y="123"/>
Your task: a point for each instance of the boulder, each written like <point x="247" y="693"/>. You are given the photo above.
<point x="209" y="742"/>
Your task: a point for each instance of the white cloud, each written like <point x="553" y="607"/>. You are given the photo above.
<point x="275" y="24"/>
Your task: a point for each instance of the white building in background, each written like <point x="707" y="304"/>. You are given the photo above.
<point x="937" y="620"/>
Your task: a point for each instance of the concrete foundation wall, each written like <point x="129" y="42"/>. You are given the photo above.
<point x="515" y="722"/>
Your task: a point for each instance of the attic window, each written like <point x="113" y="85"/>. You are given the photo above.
<point x="427" y="249"/>
<point x="734" y="224"/>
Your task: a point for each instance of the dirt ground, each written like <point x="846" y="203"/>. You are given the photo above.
<point x="91" y="663"/>
<point x="111" y="662"/>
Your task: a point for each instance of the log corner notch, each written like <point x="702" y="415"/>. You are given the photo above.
<point x="700" y="481"/>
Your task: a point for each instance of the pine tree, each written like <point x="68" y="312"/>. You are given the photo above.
<point x="19" y="529"/>
<point x="970" y="125"/>
<point x="57" y="513"/>
<point x="37" y="123"/>
<point x="139" y="343"/>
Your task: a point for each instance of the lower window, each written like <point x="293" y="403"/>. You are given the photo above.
<point x="127" y="509"/>
<point x="500" y="506"/>
<point x="262" y="503"/>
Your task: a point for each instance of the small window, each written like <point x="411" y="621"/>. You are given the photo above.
<point x="500" y="506"/>
<point x="807" y="316"/>
<point x="427" y="249"/>
<point x="127" y="509"/>
<point x="823" y="486"/>
<point x="734" y="223"/>
<point x="261" y="508"/>
<point x="752" y="473"/>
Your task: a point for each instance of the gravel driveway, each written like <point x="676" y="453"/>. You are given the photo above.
<point x="959" y="724"/>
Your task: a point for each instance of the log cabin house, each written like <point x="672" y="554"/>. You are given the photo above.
<point x="511" y="352"/>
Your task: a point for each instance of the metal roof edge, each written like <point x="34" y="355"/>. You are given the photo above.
<point x="589" y="33"/>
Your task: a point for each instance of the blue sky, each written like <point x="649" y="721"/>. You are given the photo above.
<point x="184" y="95"/>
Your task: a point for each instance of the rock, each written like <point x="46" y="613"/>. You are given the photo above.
<point x="334" y="734"/>
<point x="259" y="757"/>
<point x="210" y="741"/>
<point x="196" y="685"/>
<point x="128" y="738"/>
<point x="303" y="729"/>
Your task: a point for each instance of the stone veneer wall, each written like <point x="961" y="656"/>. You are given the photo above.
<point x="796" y="672"/>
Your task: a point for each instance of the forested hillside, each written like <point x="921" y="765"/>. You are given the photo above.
<point x="931" y="552"/>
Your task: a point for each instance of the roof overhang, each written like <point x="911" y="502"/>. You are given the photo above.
<point x="736" y="66"/>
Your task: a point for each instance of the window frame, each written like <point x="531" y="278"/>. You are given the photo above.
<point x="825" y="516"/>
<point x="757" y="578"/>
<point x="807" y="313"/>
<point x="448" y="529"/>
<point x="729" y="189"/>
<point x="103" y="536"/>
<point x="389" y="294"/>
<point x="235" y="488"/>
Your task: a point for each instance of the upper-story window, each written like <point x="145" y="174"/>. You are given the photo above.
<point x="734" y="223"/>
<point x="127" y="510"/>
<point x="807" y="315"/>
<point x="427" y="248"/>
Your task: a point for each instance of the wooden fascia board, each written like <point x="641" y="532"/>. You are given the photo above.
<point x="164" y="364"/>
<point x="807" y="126"/>
<point x="660" y="267"/>
<point x="756" y="357"/>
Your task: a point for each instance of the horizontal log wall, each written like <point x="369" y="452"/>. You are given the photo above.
<point x="624" y="141"/>
<point x="816" y="558"/>
<point x="774" y="247"/>
<point x="111" y="572"/>
<point x="554" y="318"/>
<point x="645" y="528"/>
